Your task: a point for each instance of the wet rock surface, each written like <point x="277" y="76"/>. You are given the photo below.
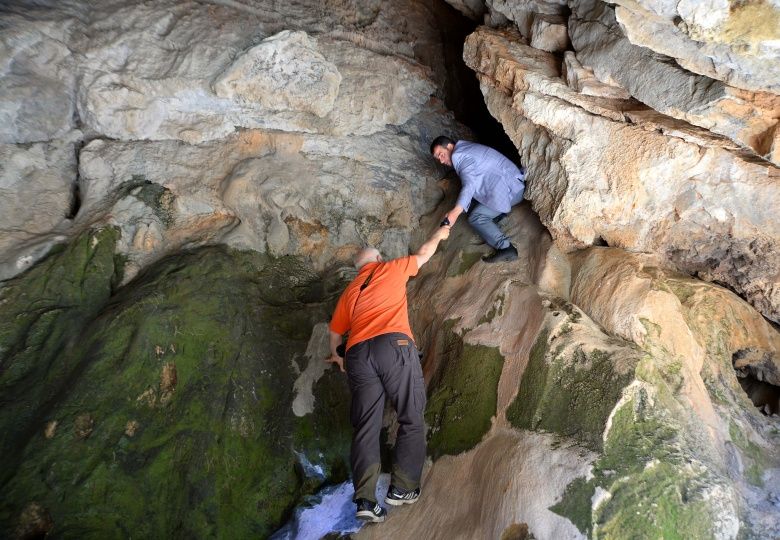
<point x="187" y="374"/>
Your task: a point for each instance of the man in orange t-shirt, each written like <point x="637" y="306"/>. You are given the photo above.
<point x="382" y="361"/>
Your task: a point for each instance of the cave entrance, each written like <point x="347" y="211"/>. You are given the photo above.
<point x="751" y="376"/>
<point x="462" y="94"/>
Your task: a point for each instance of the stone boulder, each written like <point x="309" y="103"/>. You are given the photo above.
<point x="285" y="72"/>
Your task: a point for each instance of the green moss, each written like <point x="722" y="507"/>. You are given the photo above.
<point x="155" y="196"/>
<point x="755" y="459"/>
<point x="495" y="309"/>
<point x="212" y="454"/>
<point x="41" y="312"/>
<point x="568" y="395"/>
<point x="680" y="288"/>
<point x="463" y="397"/>
<point x="576" y="505"/>
<point x="466" y="261"/>
<point x="523" y="409"/>
<point x="655" y="493"/>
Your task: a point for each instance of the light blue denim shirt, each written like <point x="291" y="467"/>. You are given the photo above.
<point x="487" y="176"/>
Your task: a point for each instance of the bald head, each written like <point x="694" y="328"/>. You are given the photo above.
<point x="365" y="256"/>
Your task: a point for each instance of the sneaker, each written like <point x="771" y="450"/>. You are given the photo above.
<point x="502" y="255"/>
<point x="397" y="496"/>
<point x="369" y="511"/>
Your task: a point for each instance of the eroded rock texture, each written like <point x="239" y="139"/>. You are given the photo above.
<point x="608" y="170"/>
<point x="339" y="92"/>
<point x="607" y="404"/>
<point x="183" y="185"/>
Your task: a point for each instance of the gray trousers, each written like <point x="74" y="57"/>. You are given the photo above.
<point x="481" y="219"/>
<point x="386" y="366"/>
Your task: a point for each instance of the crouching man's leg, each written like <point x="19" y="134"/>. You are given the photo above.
<point x="367" y="408"/>
<point x="481" y="219"/>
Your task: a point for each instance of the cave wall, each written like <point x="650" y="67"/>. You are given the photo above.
<point x="184" y="183"/>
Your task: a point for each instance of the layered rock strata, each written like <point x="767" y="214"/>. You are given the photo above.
<point x="605" y="170"/>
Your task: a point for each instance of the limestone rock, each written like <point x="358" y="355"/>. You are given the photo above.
<point x="617" y="367"/>
<point x="276" y="193"/>
<point x="666" y="414"/>
<point x="167" y="71"/>
<point x="225" y="320"/>
<point x="694" y="331"/>
<point x="36" y="189"/>
<point x="583" y="80"/>
<point x="549" y="33"/>
<point x="285" y="81"/>
<point x="285" y="72"/>
<point x="748" y="118"/>
<point x="516" y="11"/>
<point x="37" y="81"/>
<point x="728" y="41"/>
<point x="473" y="9"/>
<point x="607" y="171"/>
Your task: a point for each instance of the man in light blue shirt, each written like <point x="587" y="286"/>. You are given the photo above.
<point x="493" y="181"/>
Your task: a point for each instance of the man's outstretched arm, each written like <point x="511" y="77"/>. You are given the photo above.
<point x="427" y="250"/>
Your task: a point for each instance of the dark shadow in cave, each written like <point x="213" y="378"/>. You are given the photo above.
<point x="752" y="377"/>
<point x="462" y="93"/>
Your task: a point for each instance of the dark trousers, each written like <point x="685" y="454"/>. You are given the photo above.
<point x="386" y="366"/>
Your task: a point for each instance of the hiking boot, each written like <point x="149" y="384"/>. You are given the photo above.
<point x="502" y="255"/>
<point x="397" y="496"/>
<point x="369" y="511"/>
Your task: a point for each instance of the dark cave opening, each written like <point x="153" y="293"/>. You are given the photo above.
<point x="462" y="93"/>
<point x="752" y="375"/>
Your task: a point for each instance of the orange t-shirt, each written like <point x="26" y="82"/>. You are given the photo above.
<point x="381" y="307"/>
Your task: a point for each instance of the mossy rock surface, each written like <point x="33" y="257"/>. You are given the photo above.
<point x="655" y="491"/>
<point x="172" y="399"/>
<point x="569" y="391"/>
<point x="42" y="312"/>
<point x="462" y="398"/>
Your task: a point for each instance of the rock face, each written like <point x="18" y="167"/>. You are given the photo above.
<point x="610" y="171"/>
<point x="608" y="393"/>
<point x="727" y="41"/>
<point x="167" y="406"/>
<point x="143" y="75"/>
<point x="183" y="185"/>
<point x="748" y="118"/>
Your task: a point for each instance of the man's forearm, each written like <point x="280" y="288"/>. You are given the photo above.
<point x="335" y="341"/>
<point x="429" y="247"/>
<point x="427" y="250"/>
